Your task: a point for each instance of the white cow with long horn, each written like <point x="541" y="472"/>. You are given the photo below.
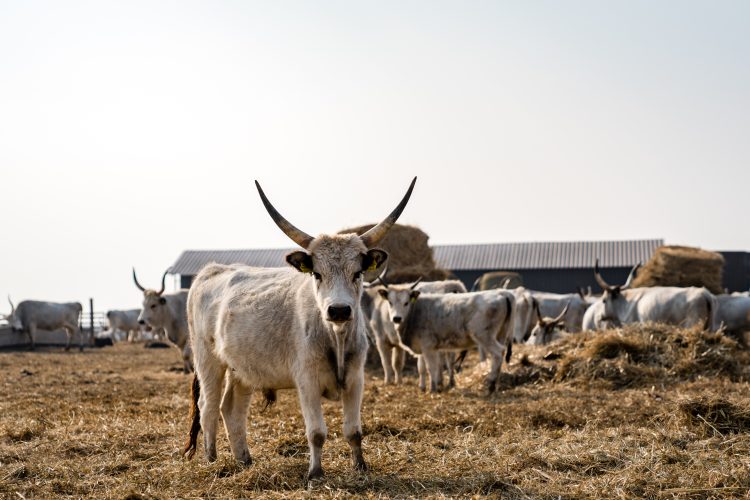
<point x="659" y="304"/>
<point x="256" y="329"/>
<point x="167" y="311"/>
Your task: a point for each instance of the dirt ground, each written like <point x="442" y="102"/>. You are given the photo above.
<point x="110" y="423"/>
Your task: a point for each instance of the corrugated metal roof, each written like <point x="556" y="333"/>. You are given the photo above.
<point x="545" y="255"/>
<point x="534" y="255"/>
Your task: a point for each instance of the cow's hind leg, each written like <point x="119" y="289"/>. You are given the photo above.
<point x="211" y="376"/>
<point x="234" y="407"/>
<point x="496" y="351"/>
<point x="433" y="359"/>
<point x="450" y="360"/>
<point x="352" y="400"/>
<point x="31" y="332"/>
<point x="315" y="426"/>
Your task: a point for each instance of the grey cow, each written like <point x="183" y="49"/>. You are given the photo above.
<point x="269" y="329"/>
<point x="386" y="338"/>
<point x="167" y="311"/>
<point x="429" y="324"/>
<point x="126" y="321"/>
<point x="684" y="307"/>
<point x="32" y="315"/>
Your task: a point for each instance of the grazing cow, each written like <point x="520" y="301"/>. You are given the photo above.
<point x="661" y="304"/>
<point x="428" y="324"/>
<point x="546" y="329"/>
<point x="31" y="315"/>
<point x="126" y="321"/>
<point x="734" y="313"/>
<point x="167" y="311"/>
<point x="270" y="329"/>
<point x="550" y="305"/>
<point x="385" y="335"/>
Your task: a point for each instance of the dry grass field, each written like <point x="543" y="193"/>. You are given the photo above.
<point x="645" y="412"/>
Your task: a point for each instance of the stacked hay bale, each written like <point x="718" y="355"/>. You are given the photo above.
<point x="409" y="256"/>
<point x="496" y="279"/>
<point x="682" y="266"/>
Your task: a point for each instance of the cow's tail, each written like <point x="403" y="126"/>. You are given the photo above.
<point x="508" y="350"/>
<point x="506" y="332"/>
<point x="195" y="416"/>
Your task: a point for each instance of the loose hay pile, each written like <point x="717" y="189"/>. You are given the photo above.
<point x="634" y="356"/>
<point x="682" y="266"/>
<point x="409" y="255"/>
<point x="716" y="414"/>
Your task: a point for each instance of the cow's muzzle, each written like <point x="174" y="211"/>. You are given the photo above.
<point x="339" y="313"/>
<point x="397" y="319"/>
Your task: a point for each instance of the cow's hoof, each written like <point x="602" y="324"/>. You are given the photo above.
<point x="246" y="461"/>
<point x="315" y="473"/>
<point x="67" y="349"/>
<point x="360" y="465"/>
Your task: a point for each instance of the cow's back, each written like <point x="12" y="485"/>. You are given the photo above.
<point x="48" y="315"/>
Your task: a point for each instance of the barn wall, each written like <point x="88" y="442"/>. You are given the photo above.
<point x="736" y="271"/>
<point x="554" y="280"/>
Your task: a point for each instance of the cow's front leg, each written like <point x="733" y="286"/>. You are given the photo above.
<point x="385" y="351"/>
<point x="422" y="369"/>
<point x="352" y="401"/>
<point x="397" y="360"/>
<point x="315" y="426"/>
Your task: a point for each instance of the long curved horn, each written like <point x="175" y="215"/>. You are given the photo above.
<point x="12" y="307"/>
<point x="416" y="283"/>
<point x="630" y="277"/>
<point x="562" y="314"/>
<point x="371" y="237"/>
<point x="382" y="281"/>
<point x="538" y="312"/>
<point x="299" y="237"/>
<point x="605" y="286"/>
<point x="163" y="277"/>
<point x="505" y="283"/>
<point x="135" y="279"/>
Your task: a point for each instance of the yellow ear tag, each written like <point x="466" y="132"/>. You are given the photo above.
<point x="373" y="266"/>
<point x="303" y="268"/>
<point x="413" y="299"/>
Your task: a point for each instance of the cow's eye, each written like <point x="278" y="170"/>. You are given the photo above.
<point x="317" y="276"/>
<point x="153" y="306"/>
<point x="406" y="303"/>
<point x="357" y="275"/>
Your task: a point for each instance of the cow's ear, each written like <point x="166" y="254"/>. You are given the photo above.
<point x="414" y="295"/>
<point x="383" y="293"/>
<point x="373" y="259"/>
<point x="302" y="261"/>
<point x="162" y="300"/>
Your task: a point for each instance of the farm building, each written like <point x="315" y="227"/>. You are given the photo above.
<point x="551" y="266"/>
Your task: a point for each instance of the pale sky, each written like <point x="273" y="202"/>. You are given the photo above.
<point x="130" y="131"/>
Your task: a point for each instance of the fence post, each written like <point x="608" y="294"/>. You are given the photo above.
<point x="91" y="319"/>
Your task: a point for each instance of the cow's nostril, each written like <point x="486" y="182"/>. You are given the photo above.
<point x="397" y="319"/>
<point x="141" y="322"/>
<point x="339" y="313"/>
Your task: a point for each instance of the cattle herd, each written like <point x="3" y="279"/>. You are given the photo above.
<point x="245" y="330"/>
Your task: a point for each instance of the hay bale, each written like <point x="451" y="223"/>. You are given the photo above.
<point x="496" y="279"/>
<point x="409" y="255"/>
<point x="682" y="266"/>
